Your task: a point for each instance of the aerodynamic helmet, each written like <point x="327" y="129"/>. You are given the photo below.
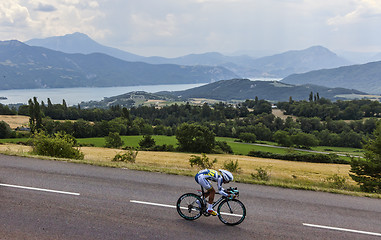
<point x="226" y="175"/>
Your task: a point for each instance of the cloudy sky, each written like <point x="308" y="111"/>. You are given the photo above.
<point x="177" y="27"/>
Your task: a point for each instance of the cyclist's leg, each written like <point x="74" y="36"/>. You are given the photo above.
<point x="210" y="192"/>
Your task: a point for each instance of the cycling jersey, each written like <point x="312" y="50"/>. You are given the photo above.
<point x="203" y="176"/>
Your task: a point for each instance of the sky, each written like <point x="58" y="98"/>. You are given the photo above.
<point x="172" y="28"/>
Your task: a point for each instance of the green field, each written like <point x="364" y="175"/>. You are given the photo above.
<point x="239" y="148"/>
<point x="131" y="141"/>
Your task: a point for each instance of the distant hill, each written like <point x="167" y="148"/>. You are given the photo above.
<point x="364" y="77"/>
<point x="275" y="66"/>
<point x="226" y="90"/>
<point x="242" y="89"/>
<point x="24" y="67"/>
<point x="300" y="61"/>
<point x="81" y="43"/>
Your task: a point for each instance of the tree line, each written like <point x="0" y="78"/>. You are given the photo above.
<point x="250" y="121"/>
<point x="325" y="109"/>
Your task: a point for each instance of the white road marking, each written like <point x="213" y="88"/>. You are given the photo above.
<point x="39" y="189"/>
<point x="154" y="204"/>
<point x="342" y="229"/>
<point x="172" y="206"/>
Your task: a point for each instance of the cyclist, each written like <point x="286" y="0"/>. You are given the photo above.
<point x="202" y="178"/>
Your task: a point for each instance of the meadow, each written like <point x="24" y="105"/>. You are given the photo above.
<point x="298" y="175"/>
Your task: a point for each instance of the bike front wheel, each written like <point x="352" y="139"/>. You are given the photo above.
<point x="189" y="206"/>
<point x="231" y="212"/>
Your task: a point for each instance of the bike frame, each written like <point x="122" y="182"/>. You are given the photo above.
<point x="215" y="203"/>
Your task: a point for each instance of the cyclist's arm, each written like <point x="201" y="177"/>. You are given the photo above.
<point x="221" y="190"/>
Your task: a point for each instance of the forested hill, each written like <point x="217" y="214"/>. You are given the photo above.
<point x="365" y="77"/>
<point x="242" y="89"/>
<point x="26" y="67"/>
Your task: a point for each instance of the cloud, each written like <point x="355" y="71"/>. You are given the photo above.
<point x="26" y="19"/>
<point x="13" y="14"/>
<point x="363" y="10"/>
<point x="45" y="8"/>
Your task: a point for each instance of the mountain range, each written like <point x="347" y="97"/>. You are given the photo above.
<point x="275" y="66"/>
<point x="23" y="67"/>
<point x="75" y="60"/>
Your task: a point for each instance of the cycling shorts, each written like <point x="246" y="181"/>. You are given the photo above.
<point x="200" y="179"/>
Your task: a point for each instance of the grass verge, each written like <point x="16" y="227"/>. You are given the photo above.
<point x="332" y="178"/>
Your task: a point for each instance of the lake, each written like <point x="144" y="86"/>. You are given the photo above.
<point x="73" y="96"/>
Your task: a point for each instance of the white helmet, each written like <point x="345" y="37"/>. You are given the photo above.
<point x="226" y="175"/>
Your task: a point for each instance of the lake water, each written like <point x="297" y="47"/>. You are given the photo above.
<point x="73" y="96"/>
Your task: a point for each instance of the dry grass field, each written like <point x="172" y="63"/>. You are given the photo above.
<point x="302" y="175"/>
<point x="280" y="113"/>
<point x="15" y="121"/>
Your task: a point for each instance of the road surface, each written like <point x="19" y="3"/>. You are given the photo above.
<point x="42" y="199"/>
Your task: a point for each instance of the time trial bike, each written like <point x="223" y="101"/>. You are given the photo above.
<point x="230" y="210"/>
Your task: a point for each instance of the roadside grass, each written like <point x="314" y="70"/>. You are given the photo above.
<point x="287" y="174"/>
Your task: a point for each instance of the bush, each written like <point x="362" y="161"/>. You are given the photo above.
<point x="129" y="156"/>
<point x="261" y="175"/>
<point x="315" y="158"/>
<point x="162" y="148"/>
<point x="232" y="166"/>
<point x="202" y="162"/>
<point x="337" y="181"/>
<point x="60" y="145"/>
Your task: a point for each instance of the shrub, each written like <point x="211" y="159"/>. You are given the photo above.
<point x="162" y="148"/>
<point x="261" y="175"/>
<point x="232" y="166"/>
<point x="337" y="181"/>
<point x="59" y="145"/>
<point x="311" y="157"/>
<point x="202" y="162"/>
<point x="129" y="156"/>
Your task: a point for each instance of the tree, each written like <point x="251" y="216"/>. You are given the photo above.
<point x="147" y="141"/>
<point x="5" y="130"/>
<point x="113" y="140"/>
<point x="35" y="117"/>
<point x="367" y="171"/>
<point x="304" y="140"/>
<point x="282" y="138"/>
<point x="248" y="137"/>
<point x="311" y="97"/>
<point x="195" y="138"/>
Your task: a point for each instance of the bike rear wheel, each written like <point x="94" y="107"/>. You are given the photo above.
<point x="188" y="207"/>
<point x="231" y="212"/>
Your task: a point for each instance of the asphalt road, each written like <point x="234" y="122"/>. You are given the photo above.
<point x="42" y="199"/>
